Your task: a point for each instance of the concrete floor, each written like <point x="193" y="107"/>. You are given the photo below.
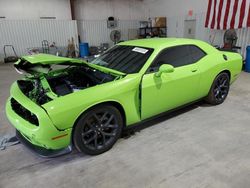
<point x="200" y="146"/>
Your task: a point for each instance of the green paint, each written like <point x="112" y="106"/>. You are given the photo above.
<point x="159" y="92"/>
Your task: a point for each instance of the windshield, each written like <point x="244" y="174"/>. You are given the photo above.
<point x="126" y="59"/>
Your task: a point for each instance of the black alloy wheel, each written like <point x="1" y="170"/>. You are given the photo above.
<point x="219" y="89"/>
<point x="98" y="130"/>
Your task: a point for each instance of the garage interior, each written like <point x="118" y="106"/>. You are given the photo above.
<point x="197" y="146"/>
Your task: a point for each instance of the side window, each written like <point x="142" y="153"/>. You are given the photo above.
<point x="196" y="53"/>
<point x="177" y="56"/>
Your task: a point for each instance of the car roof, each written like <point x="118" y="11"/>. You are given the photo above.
<point x="158" y="43"/>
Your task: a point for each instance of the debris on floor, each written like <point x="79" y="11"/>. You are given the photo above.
<point x="7" y="141"/>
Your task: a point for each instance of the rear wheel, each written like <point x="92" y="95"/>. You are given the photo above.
<point x="219" y="89"/>
<point x="98" y="130"/>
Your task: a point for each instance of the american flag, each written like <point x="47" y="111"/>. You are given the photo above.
<point x="228" y="14"/>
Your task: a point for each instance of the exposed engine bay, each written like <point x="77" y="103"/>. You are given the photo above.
<point x="44" y="87"/>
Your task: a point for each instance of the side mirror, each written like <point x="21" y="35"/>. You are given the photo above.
<point x="165" y="68"/>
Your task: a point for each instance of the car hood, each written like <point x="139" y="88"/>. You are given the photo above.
<point x="48" y="59"/>
<point x="41" y="63"/>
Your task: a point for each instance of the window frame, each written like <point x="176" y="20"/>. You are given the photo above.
<point x="163" y="50"/>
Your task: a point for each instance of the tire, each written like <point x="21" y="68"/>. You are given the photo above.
<point x="219" y="89"/>
<point x="98" y="129"/>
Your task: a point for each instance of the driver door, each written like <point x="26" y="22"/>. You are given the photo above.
<point x="170" y="90"/>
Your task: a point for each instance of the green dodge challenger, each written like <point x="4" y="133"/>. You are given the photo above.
<point x="63" y="102"/>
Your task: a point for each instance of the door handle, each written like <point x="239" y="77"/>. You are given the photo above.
<point x="194" y="70"/>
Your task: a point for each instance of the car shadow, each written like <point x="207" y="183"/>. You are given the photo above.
<point x="128" y="132"/>
<point x="75" y="155"/>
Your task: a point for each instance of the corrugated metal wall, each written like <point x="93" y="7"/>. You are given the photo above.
<point x="95" y="32"/>
<point x="214" y="37"/>
<point x="25" y="34"/>
<point x="243" y="39"/>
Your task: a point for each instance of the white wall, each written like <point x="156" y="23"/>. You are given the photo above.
<point x="24" y="34"/>
<point x="96" y="32"/>
<point x="92" y="16"/>
<point x="171" y="8"/>
<point x="34" y="9"/>
<point x="102" y="9"/>
<point x="176" y="12"/>
<point x="93" y="11"/>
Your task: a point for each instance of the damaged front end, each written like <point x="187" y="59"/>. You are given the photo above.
<point x="46" y="81"/>
<point x="47" y="78"/>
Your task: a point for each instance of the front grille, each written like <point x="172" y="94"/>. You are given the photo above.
<point x="23" y="112"/>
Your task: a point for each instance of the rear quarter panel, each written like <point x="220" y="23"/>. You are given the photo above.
<point x="234" y="65"/>
<point x="213" y="64"/>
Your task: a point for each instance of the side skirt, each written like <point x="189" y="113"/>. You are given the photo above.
<point x="140" y="125"/>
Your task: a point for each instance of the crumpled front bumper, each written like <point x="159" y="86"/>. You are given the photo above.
<point x="43" y="152"/>
<point x="45" y="135"/>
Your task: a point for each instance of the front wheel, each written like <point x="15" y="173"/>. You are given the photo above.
<point x="97" y="130"/>
<point x="219" y="89"/>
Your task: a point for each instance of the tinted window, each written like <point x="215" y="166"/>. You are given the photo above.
<point x="127" y="59"/>
<point x="178" y="56"/>
<point x="196" y="53"/>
